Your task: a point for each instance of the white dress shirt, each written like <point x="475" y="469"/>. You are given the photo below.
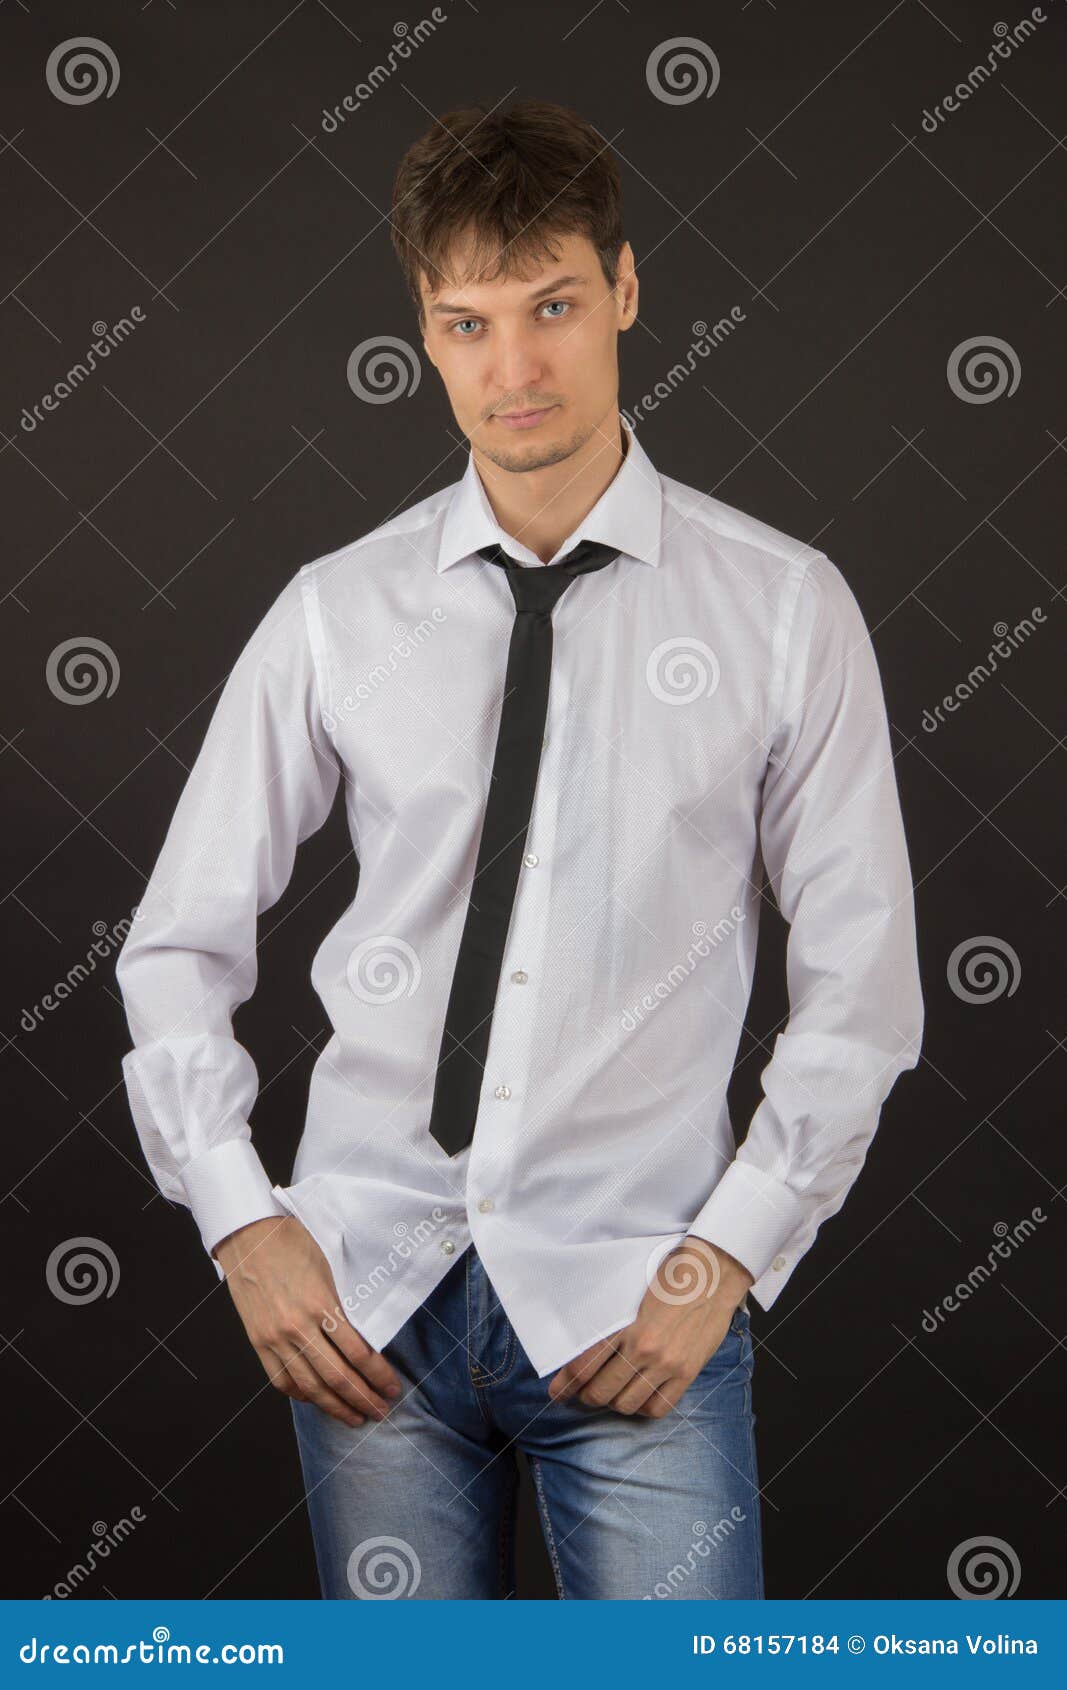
<point x="715" y="707"/>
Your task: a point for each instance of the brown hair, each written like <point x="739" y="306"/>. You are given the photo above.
<point x="511" y="179"/>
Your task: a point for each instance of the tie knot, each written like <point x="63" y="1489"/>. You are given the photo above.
<point x="538" y="587"/>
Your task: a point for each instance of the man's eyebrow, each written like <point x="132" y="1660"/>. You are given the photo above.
<point x="445" y="308"/>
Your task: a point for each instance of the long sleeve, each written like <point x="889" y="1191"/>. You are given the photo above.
<point x="833" y="843"/>
<point x="264" y="779"/>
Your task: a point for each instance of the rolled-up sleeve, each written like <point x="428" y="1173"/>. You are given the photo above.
<point x="264" y="779"/>
<point x="832" y="839"/>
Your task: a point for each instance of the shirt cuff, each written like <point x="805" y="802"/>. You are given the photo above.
<point x="228" y="1187"/>
<point x="752" y="1216"/>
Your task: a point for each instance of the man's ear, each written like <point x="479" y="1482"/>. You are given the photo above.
<point x="627" y="262"/>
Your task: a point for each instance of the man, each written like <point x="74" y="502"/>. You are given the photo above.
<point x="577" y="707"/>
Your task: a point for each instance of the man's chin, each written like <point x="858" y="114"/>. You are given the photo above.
<point x="522" y="457"/>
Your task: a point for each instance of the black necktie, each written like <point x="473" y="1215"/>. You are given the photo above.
<point x="520" y="736"/>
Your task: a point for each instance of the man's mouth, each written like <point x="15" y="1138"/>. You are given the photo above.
<point x="522" y="419"/>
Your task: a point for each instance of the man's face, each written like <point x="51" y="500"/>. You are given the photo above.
<point x="545" y="344"/>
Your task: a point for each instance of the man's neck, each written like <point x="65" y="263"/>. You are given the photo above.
<point x="541" y="507"/>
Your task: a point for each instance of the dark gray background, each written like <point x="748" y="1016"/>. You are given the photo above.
<point x="163" y="505"/>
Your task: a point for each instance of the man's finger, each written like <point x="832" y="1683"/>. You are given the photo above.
<point x="578" y="1371"/>
<point x="341" y="1376"/>
<point x="617" y="1372"/>
<point x="644" y="1388"/>
<point x="665" y="1398"/>
<point x="365" y="1359"/>
<point x="313" y="1389"/>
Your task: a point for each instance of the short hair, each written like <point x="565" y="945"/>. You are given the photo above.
<point x="511" y="180"/>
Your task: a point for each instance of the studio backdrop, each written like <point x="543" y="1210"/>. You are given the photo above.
<point x="848" y="228"/>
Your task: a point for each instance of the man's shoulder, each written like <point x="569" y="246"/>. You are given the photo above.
<point x="754" y="548"/>
<point x="409" y="534"/>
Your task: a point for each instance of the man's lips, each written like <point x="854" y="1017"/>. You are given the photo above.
<point x="522" y="419"/>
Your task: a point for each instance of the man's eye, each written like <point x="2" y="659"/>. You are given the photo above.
<point x="562" y="306"/>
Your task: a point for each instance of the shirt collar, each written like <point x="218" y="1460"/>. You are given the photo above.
<point x="628" y="515"/>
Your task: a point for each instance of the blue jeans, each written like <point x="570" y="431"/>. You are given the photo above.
<point x="422" y="1503"/>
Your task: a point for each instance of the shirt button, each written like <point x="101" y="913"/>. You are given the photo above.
<point x="448" y="1247"/>
<point x="502" y="1091"/>
<point x="530" y="859"/>
<point x="520" y="977"/>
<point x="486" y="1205"/>
<point x="778" y="1263"/>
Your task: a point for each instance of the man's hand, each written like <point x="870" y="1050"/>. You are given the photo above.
<point x="284" y="1292"/>
<point x="684" y="1316"/>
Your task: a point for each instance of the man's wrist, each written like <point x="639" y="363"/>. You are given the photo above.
<point x="732" y="1278"/>
<point x="239" y="1243"/>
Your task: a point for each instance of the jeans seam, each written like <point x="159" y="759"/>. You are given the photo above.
<point x="508" y="1363"/>
<point x="756" y="1535"/>
<point x="474" y="1379"/>
<point x="546" y="1524"/>
<point x="483" y="1377"/>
